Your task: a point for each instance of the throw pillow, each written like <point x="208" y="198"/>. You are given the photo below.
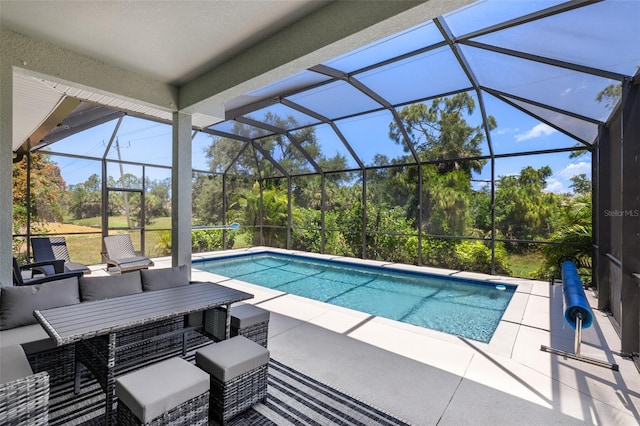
<point x="18" y="303"/>
<point x="98" y="288"/>
<point x="163" y="278"/>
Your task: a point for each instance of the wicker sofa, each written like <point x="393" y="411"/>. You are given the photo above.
<point x="18" y="326"/>
<point x="24" y="396"/>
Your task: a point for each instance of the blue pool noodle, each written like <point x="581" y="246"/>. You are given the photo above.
<point x="574" y="297"/>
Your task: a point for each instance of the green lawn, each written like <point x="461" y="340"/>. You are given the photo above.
<point x="86" y="248"/>
<point x="524" y="265"/>
<point x="121" y="222"/>
<point x="241" y="240"/>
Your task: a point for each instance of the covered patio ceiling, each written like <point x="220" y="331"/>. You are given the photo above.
<point x="155" y="58"/>
<point x="552" y="60"/>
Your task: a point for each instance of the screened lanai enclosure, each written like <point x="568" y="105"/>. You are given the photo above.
<point x="497" y="138"/>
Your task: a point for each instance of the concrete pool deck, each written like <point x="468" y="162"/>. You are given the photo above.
<point x="431" y="378"/>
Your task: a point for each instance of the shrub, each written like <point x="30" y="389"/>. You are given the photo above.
<point x="476" y="256"/>
<point x="210" y="240"/>
<point x="466" y="255"/>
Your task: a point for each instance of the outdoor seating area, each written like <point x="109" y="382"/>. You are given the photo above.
<point x="45" y="331"/>
<point x="419" y="212"/>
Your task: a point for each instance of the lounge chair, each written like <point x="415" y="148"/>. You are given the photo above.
<point x="55" y="248"/>
<point x="121" y="256"/>
<point x="23" y="275"/>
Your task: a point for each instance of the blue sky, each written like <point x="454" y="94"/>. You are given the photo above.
<point x="143" y="141"/>
<point x="563" y="167"/>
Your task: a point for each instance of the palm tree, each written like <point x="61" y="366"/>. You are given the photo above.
<point x="266" y="210"/>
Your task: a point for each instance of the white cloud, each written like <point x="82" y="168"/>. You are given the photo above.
<point x="575" y="169"/>
<point x="560" y="183"/>
<point x="505" y="130"/>
<point x="537" y="131"/>
<point x="554" y="185"/>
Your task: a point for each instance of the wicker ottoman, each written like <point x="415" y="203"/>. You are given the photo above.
<point x="251" y="322"/>
<point x="247" y="320"/>
<point x="173" y="392"/>
<point x="238" y="370"/>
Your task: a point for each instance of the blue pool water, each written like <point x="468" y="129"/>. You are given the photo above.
<point x="462" y="307"/>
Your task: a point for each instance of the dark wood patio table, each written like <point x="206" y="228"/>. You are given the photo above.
<point x="94" y="326"/>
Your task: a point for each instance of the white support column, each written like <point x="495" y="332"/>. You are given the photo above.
<point x="181" y="191"/>
<point x="6" y="172"/>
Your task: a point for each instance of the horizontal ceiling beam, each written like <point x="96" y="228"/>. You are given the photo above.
<point x="548" y="61"/>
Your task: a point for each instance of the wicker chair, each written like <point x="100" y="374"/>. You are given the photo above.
<point x="55" y="248"/>
<point x="121" y="256"/>
<point x="24" y="396"/>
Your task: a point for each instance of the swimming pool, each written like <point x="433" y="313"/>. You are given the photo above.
<point x="462" y="307"/>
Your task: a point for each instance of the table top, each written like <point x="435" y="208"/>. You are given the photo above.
<point x="68" y="324"/>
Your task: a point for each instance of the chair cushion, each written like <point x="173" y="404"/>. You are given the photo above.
<point x="106" y="287"/>
<point x="246" y="314"/>
<point x="159" y="388"/>
<point x="128" y="264"/>
<point x="18" y="303"/>
<point x="230" y="358"/>
<point x="32" y="337"/>
<point x="163" y="278"/>
<point x="72" y="267"/>
<point x="14" y="364"/>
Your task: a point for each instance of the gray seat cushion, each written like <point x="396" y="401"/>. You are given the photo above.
<point x="97" y="288"/>
<point x="230" y="358"/>
<point x="246" y="315"/>
<point x="14" y="364"/>
<point x="163" y="278"/>
<point x="18" y="303"/>
<point x="72" y="266"/>
<point x="159" y="388"/>
<point x="32" y="337"/>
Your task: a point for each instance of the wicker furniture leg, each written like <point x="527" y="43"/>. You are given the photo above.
<point x="217" y="322"/>
<point x="77" y="381"/>
<point x="102" y="365"/>
<point x="111" y="381"/>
